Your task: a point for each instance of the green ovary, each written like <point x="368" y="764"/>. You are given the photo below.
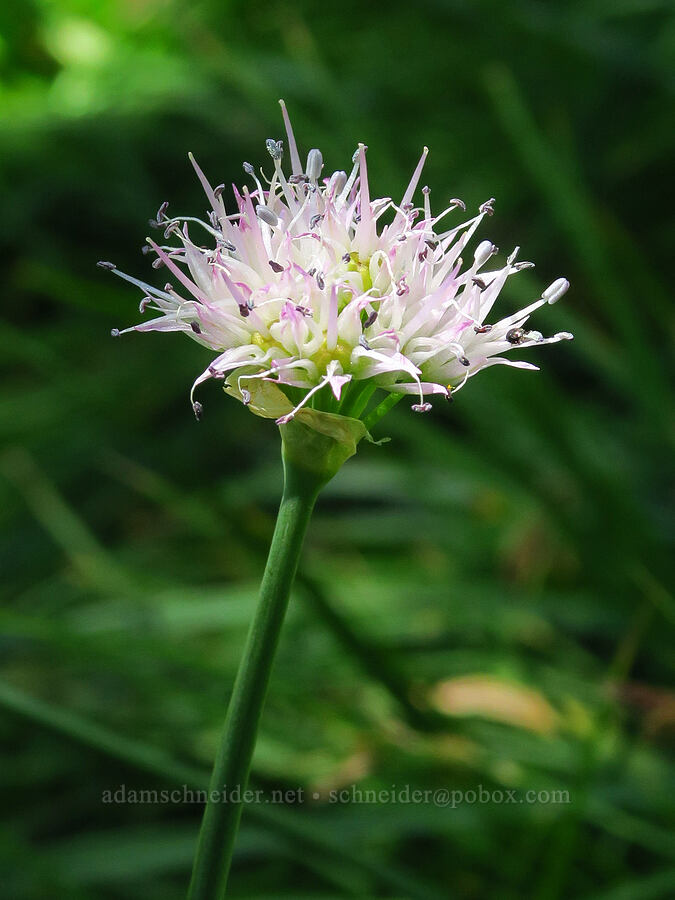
<point x="341" y="352"/>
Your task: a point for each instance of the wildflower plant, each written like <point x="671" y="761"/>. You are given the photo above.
<point x="323" y="307"/>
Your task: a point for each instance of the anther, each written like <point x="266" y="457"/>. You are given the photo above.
<point x="482" y="329"/>
<point x="103" y="264"/>
<point x="245" y="396"/>
<point x="314" y="164"/>
<point x="487" y="207"/>
<point x="274" y="148"/>
<point x="555" y="291"/>
<point x="266" y="215"/>
<point x="244" y="311"/>
<point x="275" y="266"/>
<point x="319" y="280"/>
<point x="364" y="343"/>
<point x="421" y="407"/>
<point x="157" y="263"/>
<point x="423" y="254"/>
<point x="479" y="282"/>
<point x="195" y="327"/>
<point x="460" y="204"/>
<point x="114" y="332"/>
<point x="218" y="190"/>
<point x="198" y="410"/>
<point x="248" y="168"/>
<point x="346" y="258"/>
<point x="337" y="181"/>
<point x="518" y="267"/>
<point x="161" y="212"/>
<point x="431" y="244"/>
<point x="484" y="251"/>
<point x="463" y="360"/>
<point x="314" y="221"/>
<point x="371" y="319"/>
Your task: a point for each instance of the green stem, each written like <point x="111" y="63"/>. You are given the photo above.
<point x="381" y="410"/>
<point x="233" y="759"/>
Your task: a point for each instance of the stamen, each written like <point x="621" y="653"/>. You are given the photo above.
<point x="555" y="291"/>
<point x="274" y="148"/>
<point x="266" y="215"/>
<point x="484" y="251"/>
<point x="314" y="164"/>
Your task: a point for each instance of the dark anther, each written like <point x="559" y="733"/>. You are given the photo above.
<point x="320" y="282"/>
<point x="422" y="255"/>
<point x="162" y="211"/>
<point x="515" y="335"/>
<point x="311" y="272"/>
<point x="346" y="258"/>
<point x="275" y="266"/>
<point x="195" y="327"/>
<point x="479" y="281"/>
<point x="464" y="361"/>
<point x="314" y="221"/>
<point x="217" y="191"/>
<point x="371" y="319"/>
<point x="198" y="410"/>
<point x="244" y="310"/>
<point x="168" y="287"/>
<point x="106" y="265"/>
<point x="482" y="329"/>
<point x="364" y="343"/>
<point x="357" y="219"/>
<point x="157" y="263"/>
<point x="431" y="244"/>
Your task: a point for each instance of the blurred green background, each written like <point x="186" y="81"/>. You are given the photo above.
<point x="484" y="600"/>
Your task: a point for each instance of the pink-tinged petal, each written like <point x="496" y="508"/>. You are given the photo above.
<point x="296" y="165"/>
<point x="336" y="380"/>
<point x="414" y="181"/>
<point x="180" y="275"/>
<point x="412" y="387"/>
<point x="217" y="203"/>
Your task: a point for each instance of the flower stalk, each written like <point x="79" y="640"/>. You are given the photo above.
<point x="233" y="760"/>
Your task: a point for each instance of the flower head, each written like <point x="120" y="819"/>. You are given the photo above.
<point x="312" y="294"/>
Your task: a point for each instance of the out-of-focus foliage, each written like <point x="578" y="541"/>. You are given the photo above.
<point x="484" y="600"/>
